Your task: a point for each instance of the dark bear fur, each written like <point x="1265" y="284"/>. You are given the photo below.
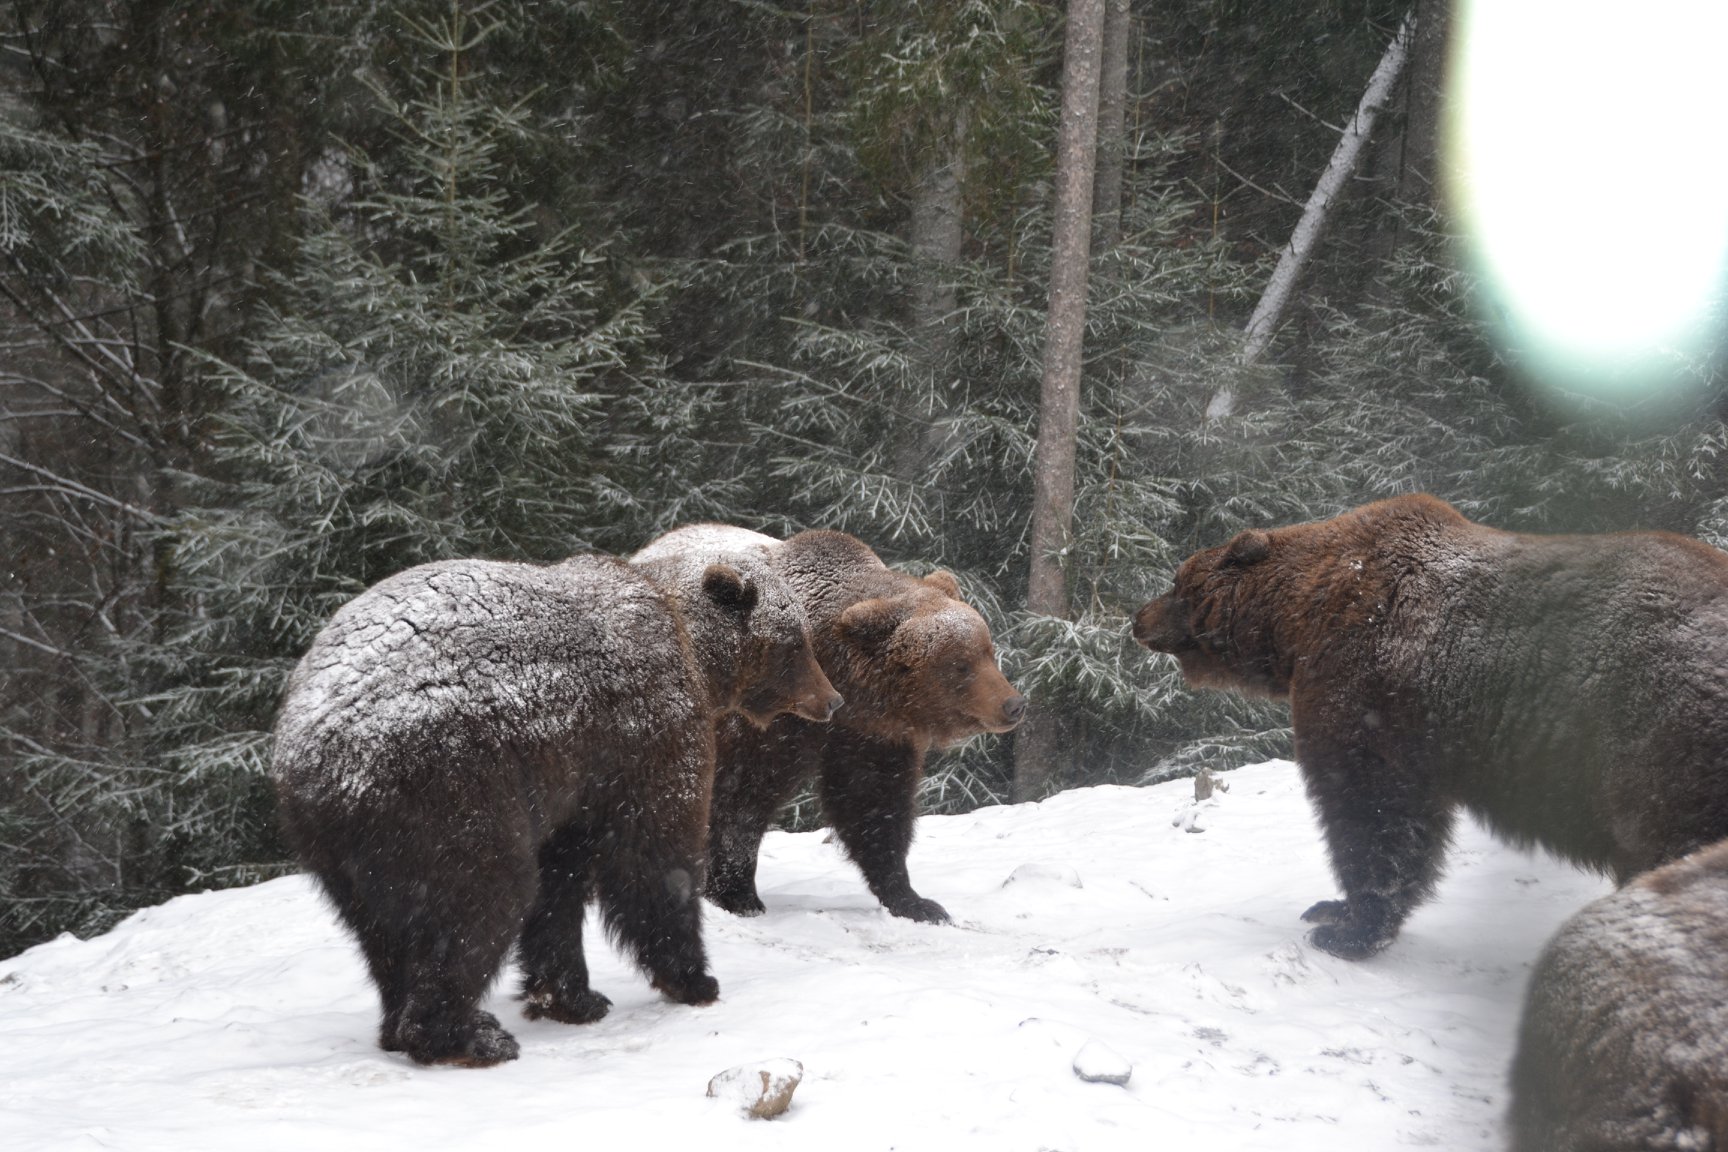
<point x="1572" y="691"/>
<point x="470" y="751"/>
<point x="918" y="672"/>
<point x="1624" y="1044"/>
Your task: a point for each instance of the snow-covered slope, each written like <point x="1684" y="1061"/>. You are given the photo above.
<point x="242" y="1020"/>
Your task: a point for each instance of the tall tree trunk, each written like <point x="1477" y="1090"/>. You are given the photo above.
<point x="1112" y="120"/>
<point x="937" y="233"/>
<point x="1406" y="157"/>
<point x="1036" y="746"/>
<point x="1273" y="302"/>
<point x="1419" y="161"/>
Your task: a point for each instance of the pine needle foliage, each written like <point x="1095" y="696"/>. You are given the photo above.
<point x="863" y="423"/>
<point x="436" y="379"/>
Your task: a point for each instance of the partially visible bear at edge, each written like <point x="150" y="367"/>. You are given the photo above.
<point x="1572" y="691"/>
<point x="918" y="671"/>
<point x="470" y="751"/>
<point x="1624" y="1044"/>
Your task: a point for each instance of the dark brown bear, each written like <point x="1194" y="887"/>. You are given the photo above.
<point x="1625" y="1038"/>
<point x="918" y="672"/>
<point x="470" y="751"/>
<point x="1572" y="691"/>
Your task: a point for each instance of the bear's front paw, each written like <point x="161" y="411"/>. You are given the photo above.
<point x="1327" y="912"/>
<point x="584" y="1007"/>
<point x="490" y="1044"/>
<point x="695" y="991"/>
<point x="1349" y="941"/>
<point x="480" y="1043"/>
<point x="919" y="909"/>
<point x="738" y="903"/>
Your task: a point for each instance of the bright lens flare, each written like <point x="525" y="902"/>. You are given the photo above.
<point x="1586" y="155"/>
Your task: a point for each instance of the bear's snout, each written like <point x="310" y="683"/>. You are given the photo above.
<point x="1013" y="709"/>
<point x="824" y="711"/>
<point x="1161" y="625"/>
<point x="820" y="701"/>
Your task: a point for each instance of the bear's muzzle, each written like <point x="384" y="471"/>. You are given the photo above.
<point x="1161" y="625"/>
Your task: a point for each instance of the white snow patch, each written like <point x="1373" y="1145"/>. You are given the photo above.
<point x="1036" y="873"/>
<point x="1194" y="815"/>
<point x="244" y="1019"/>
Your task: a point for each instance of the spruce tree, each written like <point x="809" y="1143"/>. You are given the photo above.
<point x="436" y="377"/>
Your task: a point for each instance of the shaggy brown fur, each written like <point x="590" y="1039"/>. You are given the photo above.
<point x="1570" y="690"/>
<point x="918" y="671"/>
<point x="471" y="751"/>
<point x="1624" y="1044"/>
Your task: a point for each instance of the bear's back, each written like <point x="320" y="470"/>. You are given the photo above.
<point x="1624" y="1040"/>
<point x="484" y="649"/>
<point x="705" y="539"/>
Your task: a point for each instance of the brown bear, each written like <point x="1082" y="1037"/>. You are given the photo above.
<point x="918" y="672"/>
<point x="1571" y="691"/>
<point x="470" y="751"/>
<point x="1624" y="1043"/>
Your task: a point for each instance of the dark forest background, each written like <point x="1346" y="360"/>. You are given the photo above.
<point x="293" y="296"/>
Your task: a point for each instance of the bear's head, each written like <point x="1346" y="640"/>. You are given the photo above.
<point x="749" y="636"/>
<point x="1218" y="619"/>
<point x="919" y="664"/>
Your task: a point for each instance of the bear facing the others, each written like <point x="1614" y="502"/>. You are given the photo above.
<point x="1571" y="691"/>
<point x="1624" y="1043"/>
<point x="918" y="671"/>
<point x="471" y="750"/>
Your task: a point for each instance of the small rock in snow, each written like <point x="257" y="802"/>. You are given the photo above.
<point x="761" y="1090"/>
<point x="1099" y="1065"/>
<point x="1044" y="872"/>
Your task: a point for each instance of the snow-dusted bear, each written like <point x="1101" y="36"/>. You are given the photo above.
<point x="918" y="671"/>
<point x="1624" y="1044"/>
<point x="1572" y="691"/>
<point x="470" y="751"/>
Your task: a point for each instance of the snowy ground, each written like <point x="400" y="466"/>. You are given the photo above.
<point x="242" y="1020"/>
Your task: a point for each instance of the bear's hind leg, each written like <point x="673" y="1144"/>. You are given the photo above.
<point x="554" y="969"/>
<point x="456" y="941"/>
<point x="379" y="944"/>
<point x="870" y="796"/>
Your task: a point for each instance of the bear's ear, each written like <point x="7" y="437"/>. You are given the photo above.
<point x="943" y="581"/>
<point x="726" y="586"/>
<point x="870" y="622"/>
<point x="1247" y="548"/>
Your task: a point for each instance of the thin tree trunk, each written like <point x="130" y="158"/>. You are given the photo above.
<point x="1273" y="302"/>
<point x="1420" y="154"/>
<point x="937" y="233"/>
<point x="1112" y="136"/>
<point x="1036" y="745"/>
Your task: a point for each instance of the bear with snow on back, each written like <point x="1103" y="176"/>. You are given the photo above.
<point x="918" y="671"/>
<point x="1571" y="691"/>
<point x="1624" y="1043"/>
<point x="470" y="751"/>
